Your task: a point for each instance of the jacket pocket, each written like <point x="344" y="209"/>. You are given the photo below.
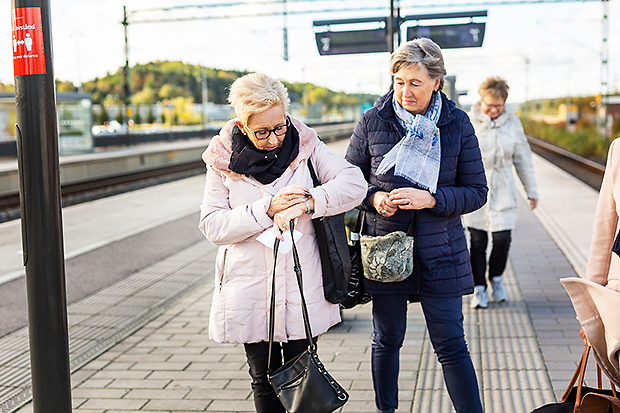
<point x="222" y="255"/>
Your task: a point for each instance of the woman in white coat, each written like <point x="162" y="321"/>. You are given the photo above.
<point x="503" y="145"/>
<point x="257" y="181"/>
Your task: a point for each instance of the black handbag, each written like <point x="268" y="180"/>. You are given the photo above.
<point x="356" y="294"/>
<point x="302" y="384"/>
<point x="331" y="237"/>
<point x="582" y="399"/>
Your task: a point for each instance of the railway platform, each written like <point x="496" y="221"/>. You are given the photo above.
<point x="160" y="358"/>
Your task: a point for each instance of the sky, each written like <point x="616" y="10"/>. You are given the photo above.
<point x="543" y="50"/>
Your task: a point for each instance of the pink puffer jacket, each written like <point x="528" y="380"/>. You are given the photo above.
<point x="234" y="213"/>
<point x="603" y="265"/>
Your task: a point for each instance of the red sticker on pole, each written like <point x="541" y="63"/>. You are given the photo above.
<point x="28" y="48"/>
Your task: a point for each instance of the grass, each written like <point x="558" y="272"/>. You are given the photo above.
<point x="584" y="141"/>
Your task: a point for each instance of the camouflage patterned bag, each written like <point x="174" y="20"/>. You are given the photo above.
<point x="388" y="258"/>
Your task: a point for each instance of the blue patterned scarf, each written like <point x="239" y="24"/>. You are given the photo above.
<point x="417" y="156"/>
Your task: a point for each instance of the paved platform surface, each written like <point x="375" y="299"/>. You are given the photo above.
<point x="524" y="350"/>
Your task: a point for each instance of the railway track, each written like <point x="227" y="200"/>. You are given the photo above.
<point x="584" y="169"/>
<point x="75" y="192"/>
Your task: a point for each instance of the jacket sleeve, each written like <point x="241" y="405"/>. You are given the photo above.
<point x="522" y="160"/>
<point x="358" y="153"/>
<point x="469" y="191"/>
<point x="223" y="225"/>
<point x="605" y="222"/>
<point x="343" y="186"/>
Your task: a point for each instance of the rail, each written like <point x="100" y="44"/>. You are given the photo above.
<point x="584" y="169"/>
<point x="581" y="168"/>
<point x="10" y="200"/>
<point x="328" y="131"/>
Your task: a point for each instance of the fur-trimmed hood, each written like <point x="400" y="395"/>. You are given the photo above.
<point x="478" y="115"/>
<point x="217" y="155"/>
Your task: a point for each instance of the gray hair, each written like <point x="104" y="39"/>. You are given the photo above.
<point x="423" y="52"/>
<point x="255" y="93"/>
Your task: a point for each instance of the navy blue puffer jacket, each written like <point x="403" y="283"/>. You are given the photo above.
<point x="442" y="267"/>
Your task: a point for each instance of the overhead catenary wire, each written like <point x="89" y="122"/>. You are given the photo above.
<point x="233" y="5"/>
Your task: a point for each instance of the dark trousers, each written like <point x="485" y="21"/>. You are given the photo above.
<point x="444" y="321"/>
<point x="265" y="399"/>
<point x="478" y="251"/>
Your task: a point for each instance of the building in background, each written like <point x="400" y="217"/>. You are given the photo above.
<point x="74" y="123"/>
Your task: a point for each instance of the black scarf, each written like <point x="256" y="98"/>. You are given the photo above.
<point x="264" y="166"/>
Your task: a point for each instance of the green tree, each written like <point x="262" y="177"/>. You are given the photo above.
<point x="6" y="87"/>
<point x="169" y="91"/>
<point x="137" y="118"/>
<point x="67" y="87"/>
<point x="150" y="117"/>
<point x="120" y="118"/>
<point x="147" y="96"/>
<point x="103" y="116"/>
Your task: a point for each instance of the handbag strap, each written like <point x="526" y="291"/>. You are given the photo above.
<point x="413" y="226"/>
<point x="272" y="306"/>
<point x="298" y="273"/>
<point x="578" y="374"/>
<point x="357" y="230"/>
<point x="315" y="179"/>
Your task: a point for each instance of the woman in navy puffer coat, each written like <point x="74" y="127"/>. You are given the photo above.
<point x="452" y="183"/>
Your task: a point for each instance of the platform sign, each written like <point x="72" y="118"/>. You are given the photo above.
<point x="352" y="42"/>
<point x="450" y="36"/>
<point x="28" y="47"/>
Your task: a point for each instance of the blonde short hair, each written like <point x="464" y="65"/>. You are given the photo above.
<point x="495" y="87"/>
<point x="255" y="93"/>
<point x="423" y="52"/>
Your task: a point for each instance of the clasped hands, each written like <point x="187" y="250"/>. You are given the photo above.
<point x="387" y="203"/>
<point x="286" y="204"/>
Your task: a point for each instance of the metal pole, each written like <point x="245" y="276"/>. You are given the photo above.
<point x="605" y="130"/>
<point x="390" y="28"/>
<point x="285" y="31"/>
<point x="126" y="84"/>
<point x="37" y="145"/>
<point x="205" y="96"/>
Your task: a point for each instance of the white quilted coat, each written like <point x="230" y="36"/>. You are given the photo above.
<point x="234" y="213"/>
<point x="503" y="145"/>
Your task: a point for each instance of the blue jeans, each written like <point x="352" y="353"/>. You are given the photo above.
<point x="444" y="321"/>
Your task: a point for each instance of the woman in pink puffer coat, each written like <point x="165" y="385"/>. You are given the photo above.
<point x="257" y="180"/>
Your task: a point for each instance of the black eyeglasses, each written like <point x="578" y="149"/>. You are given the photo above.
<point x="263" y="134"/>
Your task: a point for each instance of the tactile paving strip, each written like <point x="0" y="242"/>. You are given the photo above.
<point x="505" y="353"/>
<point x="100" y="321"/>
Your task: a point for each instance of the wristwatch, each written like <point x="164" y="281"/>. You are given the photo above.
<point x="308" y="209"/>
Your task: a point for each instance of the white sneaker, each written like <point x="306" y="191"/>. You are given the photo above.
<point x="499" y="292"/>
<point x="480" y="298"/>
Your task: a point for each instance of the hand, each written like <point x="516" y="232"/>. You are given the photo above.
<point x="381" y="201"/>
<point x="281" y="219"/>
<point x="412" y="198"/>
<point x="533" y="203"/>
<point x="286" y="198"/>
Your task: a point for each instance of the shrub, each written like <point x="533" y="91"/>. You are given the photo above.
<point x="585" y="141"/>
